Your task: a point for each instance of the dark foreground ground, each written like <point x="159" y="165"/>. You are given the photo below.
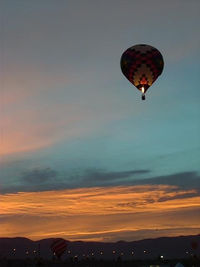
<point x="98" y="263"/>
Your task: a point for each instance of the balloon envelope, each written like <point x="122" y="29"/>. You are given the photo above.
<point x="141" y="65"/>
<point x="58" y="246"/>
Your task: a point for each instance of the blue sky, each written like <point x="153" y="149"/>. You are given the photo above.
<point x="69" y="117"/>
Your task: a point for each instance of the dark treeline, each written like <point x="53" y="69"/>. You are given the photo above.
<point x="193" y="262"/>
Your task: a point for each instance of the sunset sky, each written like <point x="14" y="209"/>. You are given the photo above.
<point x="81" y="156"/>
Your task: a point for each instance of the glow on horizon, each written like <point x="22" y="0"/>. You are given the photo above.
<point x="101" y="213"/>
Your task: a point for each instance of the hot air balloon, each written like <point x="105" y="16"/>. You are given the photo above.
<point x="142" y="64"/>
<point x="58" y="247"/>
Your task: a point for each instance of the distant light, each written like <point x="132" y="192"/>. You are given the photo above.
<point x="145" y="251"/>
<point x="101" y="252"/>
<point x="14" y="249"/>
<point x="68" y="251"/>
<point x="122" y="254"/>
<point x="132" y="252"/>
<point x="92" y="254"/>
<point x="161" y="256"/>
<point x="114" y="252"/>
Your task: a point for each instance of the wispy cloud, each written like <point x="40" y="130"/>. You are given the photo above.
<point x="46" y="179"/>
<point x="38" y="175"/>
<point x="95" y="177"/>
<point x="183" y="180"/>
<point x="99" y="212"/>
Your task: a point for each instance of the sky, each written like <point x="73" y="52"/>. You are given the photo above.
<point x="81" y="156"/>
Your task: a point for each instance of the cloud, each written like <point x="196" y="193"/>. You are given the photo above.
<point x="98" y="200"/>
<point x="106" y="213"/>
<point x="45" y="179"/>
<point x="100" y="177"/>
<point x="183" y="180"/>
<point x="180" y="195"/>
<point x="38" y="176"/>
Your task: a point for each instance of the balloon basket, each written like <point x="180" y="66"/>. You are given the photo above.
<point x="143" y="97"/>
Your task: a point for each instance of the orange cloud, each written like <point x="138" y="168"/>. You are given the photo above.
<point x="112" y="213"/>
